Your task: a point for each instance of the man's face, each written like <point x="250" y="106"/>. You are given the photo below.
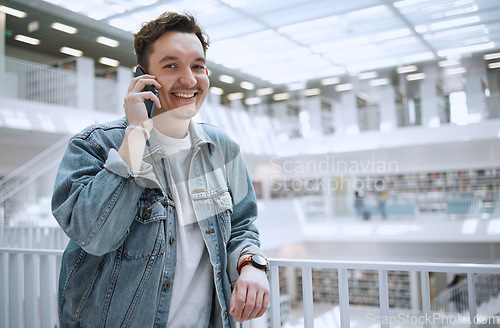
<point x="178" y="62"/>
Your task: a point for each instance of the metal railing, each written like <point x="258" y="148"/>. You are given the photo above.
<point x="41" y="83"/>
<point x="55" y="85"/>
<point x="28" y="287"/>
<point x="454" y="298"/>
<point x="493" y="105"/>
<point x="28" y="292"/>
<point x="382" y="268"/>
<point x="105" y="92"/>
<point x="33" y="237"/>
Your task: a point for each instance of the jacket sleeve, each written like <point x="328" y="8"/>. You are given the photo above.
<point x="93" y="205"/>
<point x="244" y="237"/>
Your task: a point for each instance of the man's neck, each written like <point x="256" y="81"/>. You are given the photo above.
<point x="170" y="126"/>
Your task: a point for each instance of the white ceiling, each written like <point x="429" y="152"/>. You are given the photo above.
<point x="285" y="41"/>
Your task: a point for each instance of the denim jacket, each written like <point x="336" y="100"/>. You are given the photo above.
<point x="118" y="268"/>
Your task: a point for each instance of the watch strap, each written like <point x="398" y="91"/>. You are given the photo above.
<point x="249" y="260"/>
<point x="245" y="261"/>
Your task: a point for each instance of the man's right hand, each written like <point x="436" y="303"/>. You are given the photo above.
<point x="132" y="147"/>
<point x="134" y="106"/>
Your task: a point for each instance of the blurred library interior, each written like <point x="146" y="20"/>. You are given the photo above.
<point x="370" y="129"/>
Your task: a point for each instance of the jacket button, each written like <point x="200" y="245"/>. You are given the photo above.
<point x="170" y="197"/>
<point x="166" y="285"/>
<point x="172" y="240"/>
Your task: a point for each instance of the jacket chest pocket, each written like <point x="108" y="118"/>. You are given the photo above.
<point x="224" y="209"/>
<point x="146" y="234"/>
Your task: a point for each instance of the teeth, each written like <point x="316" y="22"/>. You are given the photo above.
<point x="184" y="95"/>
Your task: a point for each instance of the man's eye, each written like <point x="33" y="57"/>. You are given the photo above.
<point x="169" y="66"/>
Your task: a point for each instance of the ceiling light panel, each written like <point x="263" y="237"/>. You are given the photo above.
<point x="360" y="66"/>
<point x="459" y="11"/>
<point x="468" y="31"/>
<point x="466" y="49"/>
<point x="223" y="15"/>
<point x="71" y="51"/>
<point x="196" y="7"/>
<point x="64" y="28"/>
<point x="241" y="26"/>
<point x="109" y="61"/>
<point x="377" y="11"/>
<point x="12" y="12"/>
<point x="305" y="11"/>
<point x="27" y="39"/>
<point x="394" y="34"/>
<point x="259" y="7"/>
<point x="424" y="7"/>
<point x="327" y="23"/>
<point x="491" y="56"/>
<point x="454" y="23"/>
<point x="107" y="41"/>
<point x="101" y="9"/>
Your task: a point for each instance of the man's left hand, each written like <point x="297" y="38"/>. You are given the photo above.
<point x="250" y="298"/>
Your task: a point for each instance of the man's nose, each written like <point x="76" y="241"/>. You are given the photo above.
<point x="187" y="78"/>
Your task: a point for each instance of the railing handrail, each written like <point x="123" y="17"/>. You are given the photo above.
<point x="31" y="251"/>
<point x="333" y="264"/>
<point x="387" y="265"/>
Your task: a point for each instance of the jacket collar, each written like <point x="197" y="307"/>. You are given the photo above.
<point x="198" y="138"/>
<point x="198" y="135"/>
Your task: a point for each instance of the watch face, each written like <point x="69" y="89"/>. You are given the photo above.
<point x="259" y="260"/>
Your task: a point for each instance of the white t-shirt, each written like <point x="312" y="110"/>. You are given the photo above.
<point x="193" y="285"/>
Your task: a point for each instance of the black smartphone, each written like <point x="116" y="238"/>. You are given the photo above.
<point x="150" y="105"/>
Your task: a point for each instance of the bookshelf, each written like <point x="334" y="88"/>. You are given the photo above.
<point x="432" y="191"/>
<point x="473" y="191"/>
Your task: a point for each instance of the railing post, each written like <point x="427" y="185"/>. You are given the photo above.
<point x="345" y="320"/>
<point x="4" y="290"/>
<point x="307" y="297"/>
<point x="275" y="307"/>
<point x="32" y="288"/>
<point x="47" y="287"/>
<point x="471" y="288"/>
<point x="426" y="297"/>
<point x="16" y="290"/>
<point x="383" y="292"/>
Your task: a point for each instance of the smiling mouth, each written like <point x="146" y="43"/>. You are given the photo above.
<point x="184" y="95"/>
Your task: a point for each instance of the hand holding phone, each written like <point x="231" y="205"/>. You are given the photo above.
<point x="150" y="105"/>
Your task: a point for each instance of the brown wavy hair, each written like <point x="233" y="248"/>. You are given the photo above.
<point x="167" y="22"/>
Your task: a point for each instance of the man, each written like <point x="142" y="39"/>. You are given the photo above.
<point x="159" y="211"/>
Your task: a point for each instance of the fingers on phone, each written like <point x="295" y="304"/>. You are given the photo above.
<point x="142" y="82"/>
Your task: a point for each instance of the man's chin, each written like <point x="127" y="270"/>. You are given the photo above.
<point x="185" y="112"/>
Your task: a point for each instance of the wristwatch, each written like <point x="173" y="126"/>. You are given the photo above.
<point x="256" y="260"/>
